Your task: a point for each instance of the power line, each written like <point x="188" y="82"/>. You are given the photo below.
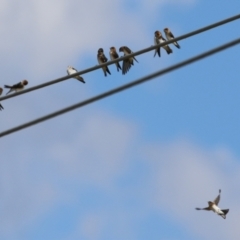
<point x="122" y="58"/>
<point x="122" y="88"/>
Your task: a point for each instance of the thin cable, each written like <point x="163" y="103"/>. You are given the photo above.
<point x="122" y="88"/>
<point x="122" y="58"/>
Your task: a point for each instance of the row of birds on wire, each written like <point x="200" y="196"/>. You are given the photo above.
<point x="126" y="64"/>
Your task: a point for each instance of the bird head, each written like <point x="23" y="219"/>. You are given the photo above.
<point x="24" y="82"/>
<point x="166" y="30"/>
<point x="121" y="49"/>
<point x="158" y="34"/>
<point x="100" y="50"/>
<point x="113" y="49"/>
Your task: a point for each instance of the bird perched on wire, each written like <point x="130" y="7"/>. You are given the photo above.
<point x="158" y="39"/>
<point x="170" y="36"/>
<point x="114" y="55"/>
<point x="214" y="207"/>
<point x="127" y="63"/>
<point x="102" y="59"/>
<point x="71" y="70"/>
<point x="1" y="107"/>
<point x="16" y="87"/>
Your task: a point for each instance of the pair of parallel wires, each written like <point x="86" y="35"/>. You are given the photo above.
<point x="126" y="86"/>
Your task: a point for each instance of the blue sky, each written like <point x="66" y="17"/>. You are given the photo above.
<point x="134" y="165"/>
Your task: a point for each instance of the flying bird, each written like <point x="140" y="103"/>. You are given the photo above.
<point x="170" y="36"/>
<point x="16" y="87"/>
<point x="214" y="207"/>
<point x="114" y="55"/>
<point x="127" y="63"/>
<point x="1" y="107"/>
<point x="102" y="59"/>
<point x="158" y="39"/>
<point x="71" y="70"/>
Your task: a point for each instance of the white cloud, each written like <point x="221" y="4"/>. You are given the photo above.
<point x="94" y="153"/>
<point x="178" y="177"/>
<point x="188" y="176"/>
<point x="24" y="197"/>
<point x="98" y="151"/>
<point x="44" y="37"/>
<point x="39" y="39"/>
<point x="156" y="4"/>
<point x="92" y="226"/>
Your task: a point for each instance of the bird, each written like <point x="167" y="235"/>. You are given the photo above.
<point x="102" y="59"/>
<point x="170" y="36"/>
<point x="158" y="39"/>
<point x="114" y="55"/>
<point x="71" y="70"/>
<point x="214" y="207"/>
<point x="127" y="63"/>
<point x="16" y="87"/>
<point x="1" y="107"/>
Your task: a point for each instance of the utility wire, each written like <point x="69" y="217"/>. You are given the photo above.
<point x="122" y="88"/>
<point x="217" y="24"/>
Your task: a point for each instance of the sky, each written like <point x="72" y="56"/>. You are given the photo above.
<point x="134" y="165"/>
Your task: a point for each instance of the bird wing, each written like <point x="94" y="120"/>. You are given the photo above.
<point x="206" y="208"/>
<point x="18" y="85"/>
<point x="100" y="59"/>
<point x="128" y="50"/>
<point x="217" y="199"/>
<point x="157" y="50"/>
<point x="171" y="35"/>
<point x="104" y="58"/>
<point x="126" y="66"/>
<point x="115" y="55"/>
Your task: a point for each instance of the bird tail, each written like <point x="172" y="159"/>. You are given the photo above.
<point x="135" y="59"/>
<point x="118" y="66"/>
<point x="206" y="208"/>
<point x="225" y="211"/>
<point x="80" y="79"/>
<point x="157" y="51"/>
<point x="10" y="90"/>
<point x="108" y="70"/>
<point x="1" y="107"/>
<point x="169" y="50"/>
<point x="177" y="45"/>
